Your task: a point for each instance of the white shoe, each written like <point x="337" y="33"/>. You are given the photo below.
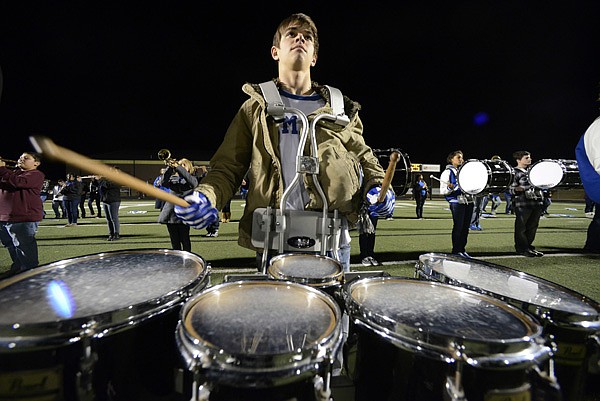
<point x="374" y="262"/>
<point x="366" y="261"/>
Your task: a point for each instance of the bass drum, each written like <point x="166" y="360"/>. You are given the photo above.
<point x="487" y="176"/>
<point x="97" y="327"/>
<point x="572" y="320"/>
<point x="418" y="340"/>
<point x="549" y="173"/>
<point x="402" y="175"/>
<point x="260" y="340"/>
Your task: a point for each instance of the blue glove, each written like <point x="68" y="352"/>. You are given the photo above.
<point x="383" y="209"/>
<point x="199" y="214"/>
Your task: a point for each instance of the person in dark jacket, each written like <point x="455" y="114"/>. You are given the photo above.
<point x="72" y="196"/>
<point x="21" y="210"/>
<point x="110" y="196"/>
<point x="180" y="180"/>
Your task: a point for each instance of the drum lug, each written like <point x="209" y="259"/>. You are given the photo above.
<point x="322" y="388"/>
<point x="84" y="377"/>
<point x="545" y="385"/>
<point x="454" y="391"/>
<point x="594" y="361"/>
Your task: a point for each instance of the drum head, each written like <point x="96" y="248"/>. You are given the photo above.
<point x="566" y="306"/>
<point x="546" y="174"/>
<point x="249" y="328"/>
<point x="473" y="177"/>
<point x="435" y="317"/>
<point x="309" y="269"/>
<point x="105" y="292"/>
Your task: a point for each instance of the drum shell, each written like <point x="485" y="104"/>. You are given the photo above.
<point x="121" y="352"/>
<point x="496" y="176"/>
<point x="387" y="372"/>
<point x="244" y="374"/>
<point x="571" y="333"/>
<point x="402" y="179"/>
<point x="414" y="365"/>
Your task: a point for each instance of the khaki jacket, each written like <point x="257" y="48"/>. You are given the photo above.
<point x="251" y="145"/>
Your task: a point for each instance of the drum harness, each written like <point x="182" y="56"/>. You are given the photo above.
<point x="311" y="229"/>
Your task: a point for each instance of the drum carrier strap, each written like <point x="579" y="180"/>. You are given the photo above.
<point x="295" y="230"/>
<point x="276" y="109"/>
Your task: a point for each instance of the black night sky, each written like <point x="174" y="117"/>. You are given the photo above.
<point x="125" y="79"/>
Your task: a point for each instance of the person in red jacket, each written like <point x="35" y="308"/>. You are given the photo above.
<point x="21" y="210"/>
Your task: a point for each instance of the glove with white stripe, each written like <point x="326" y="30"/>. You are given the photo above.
<point x="199" y="214"/>
<point x="383" y="209"/>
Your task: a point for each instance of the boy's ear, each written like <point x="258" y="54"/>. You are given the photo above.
<point x="275" y="53"/>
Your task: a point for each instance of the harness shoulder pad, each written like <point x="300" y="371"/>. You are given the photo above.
<point x="337" y="104"/>
<point x="275" y="106"/>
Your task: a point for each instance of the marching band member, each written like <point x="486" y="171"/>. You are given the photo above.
<point x="265" y="147"/>
<point x="461" y="204"/>
<point x="21" y="210"/>
<point x="528" y="202"/>
<point x="587" y="153"/>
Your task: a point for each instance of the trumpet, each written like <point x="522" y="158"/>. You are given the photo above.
<point x="9" y="163"/>
<point x="165" y="155"/>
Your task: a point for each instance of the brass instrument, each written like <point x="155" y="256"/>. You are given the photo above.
<point x="165" y="155"/>
<point x="9" y="162"/>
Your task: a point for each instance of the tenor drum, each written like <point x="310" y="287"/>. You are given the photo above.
<point x="260" y="340"/>
<point x="548" y="174"/>
<point x="569" y="318"/>
<point x="421" y="340"/>
<point x="402" y="175"/>
<point x="489" y="176"/>
<point x="314" y="270"/>
<point x="96" y="327"/>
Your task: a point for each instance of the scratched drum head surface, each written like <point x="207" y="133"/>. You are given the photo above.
<point x="507" y="282"/>
<point x="436" y="314"/>
<point x="260" y="318"/>
<point x="310" y="269"/>
<point x="101" y="290"/>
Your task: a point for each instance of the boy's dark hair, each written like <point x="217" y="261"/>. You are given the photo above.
<point x="518" y="155"/>
<point x="452" y="154"/>
<point x="36" y="156"/>
<point x="304" y="22"/>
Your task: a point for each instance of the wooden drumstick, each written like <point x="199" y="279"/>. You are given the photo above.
<point x="389" y="174"/>
<point x="47" y="147"/>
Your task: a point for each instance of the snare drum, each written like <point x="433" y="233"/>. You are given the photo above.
<point x="489" y="176"/>
<point x="572" y="319"/>
<point x="96" y="327"/>
<point x="548" y="173"/>
<point x="259" y="340"/>
<point x="420" y="340"/>
<point x="314" y="270"/>
<point x="402" y="175"/>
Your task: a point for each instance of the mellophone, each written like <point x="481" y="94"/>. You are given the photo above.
<point x="146" y="324"/>
<point x="495" y="176"/>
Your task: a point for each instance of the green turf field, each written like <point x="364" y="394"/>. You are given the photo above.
<point x="399" y="242"/>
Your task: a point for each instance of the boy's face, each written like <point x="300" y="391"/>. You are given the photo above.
<point x="296" y="49"/>
<point x="524" y="161"/>
<point x="27" y="162"/>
